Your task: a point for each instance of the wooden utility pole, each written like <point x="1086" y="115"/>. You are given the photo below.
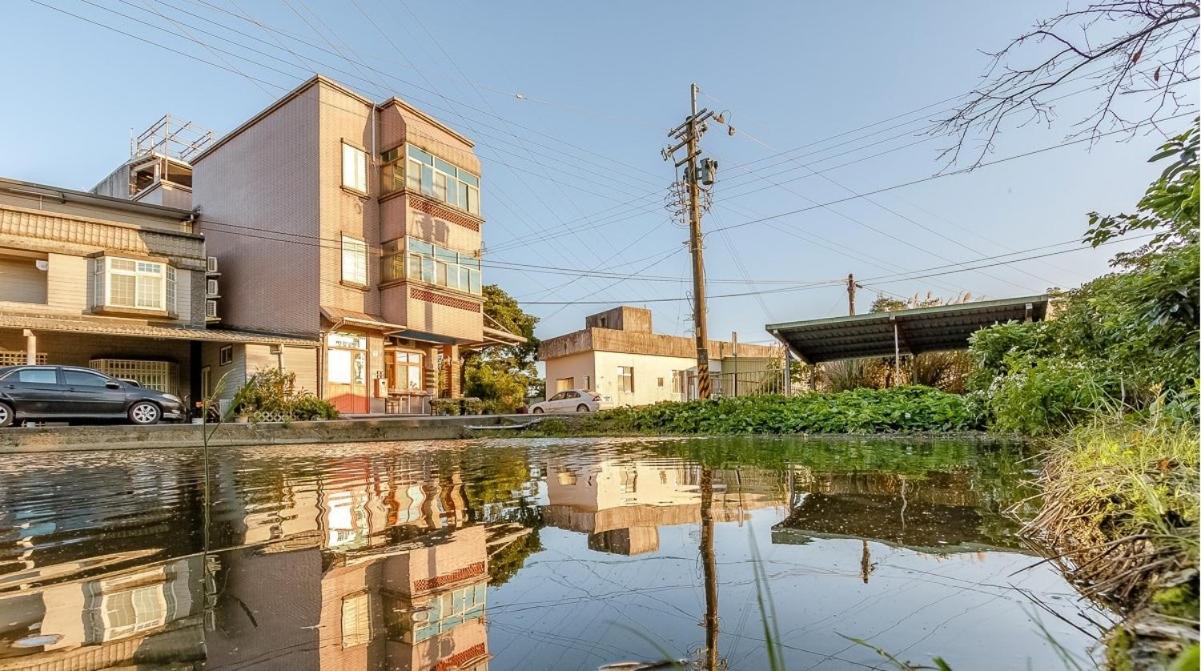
<point x="687" y="136"/>
<point x="852" y="285"/>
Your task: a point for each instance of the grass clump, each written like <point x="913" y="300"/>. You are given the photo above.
<point x="1122" y="506"/>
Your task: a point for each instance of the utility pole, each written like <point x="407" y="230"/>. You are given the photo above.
<point x="687" y="136"/>
<point x="852" y="285"/>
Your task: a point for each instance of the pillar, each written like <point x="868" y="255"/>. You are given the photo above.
<point x="454" y="371"/>
<point x="31" y="347"/>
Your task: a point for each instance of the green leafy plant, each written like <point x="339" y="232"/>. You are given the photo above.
<point x="274" y="390"/>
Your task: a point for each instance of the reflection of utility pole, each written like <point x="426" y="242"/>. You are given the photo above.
<point x="865" y="563"/>
<point x="709" y="564"/>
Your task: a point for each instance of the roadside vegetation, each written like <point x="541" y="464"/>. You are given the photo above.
<point x="1112" y="381"/>
<point x="864" y="411"/>
<point x="271" y="394"/>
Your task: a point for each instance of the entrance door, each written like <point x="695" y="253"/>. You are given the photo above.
<point x="346" y="375"/>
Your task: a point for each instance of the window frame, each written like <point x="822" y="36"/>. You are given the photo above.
<point x="624" y="374"/>
<point x="433" y="264"/>
<point x="361" y="252"/>
<point x="163" y="273"/>
<point x="358" y="176"/>
<point x="460" y="187"/>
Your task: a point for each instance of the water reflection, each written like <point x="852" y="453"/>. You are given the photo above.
<point x="513" y="555"/>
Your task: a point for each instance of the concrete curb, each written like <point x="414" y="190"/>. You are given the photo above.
<point x="166" y="436"/>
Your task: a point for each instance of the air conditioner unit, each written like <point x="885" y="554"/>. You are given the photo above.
<point x="210" y="309"/>
<point x="212" y="264"/>
<point x="212" y="289"/>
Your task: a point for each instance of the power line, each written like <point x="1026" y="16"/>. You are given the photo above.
<point x="841" y="281"/>
<point x="940" y="175"/>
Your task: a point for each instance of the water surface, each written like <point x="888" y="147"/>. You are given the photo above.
<point x="520" y="554"/>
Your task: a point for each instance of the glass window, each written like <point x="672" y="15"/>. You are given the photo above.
<point x="391" y="172"/>
<point x="427" y="180"/>
<point x="422" y="156"/>
<point x="354" y="260"/>
<point x="37" y="376"/>
<point x="356" y="620"/>
<point x="625" y="379"/>
<point x="413" y="179"/>
<point x="354" y="168"/>
<point x="339" y="366"/>
<point x="440" y="186"/>
<point x="442" y="180"/>
<point x="444" y="267"/>
<point x="445" y="167"/>
<point x="82" y="378"/>
<point x="414" y="266"/>
<point x="137" y="284"/>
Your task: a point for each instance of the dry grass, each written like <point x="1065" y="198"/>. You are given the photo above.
<point x="1121" y="503"/>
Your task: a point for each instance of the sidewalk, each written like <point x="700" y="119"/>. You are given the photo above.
<point x="355" y="428"/>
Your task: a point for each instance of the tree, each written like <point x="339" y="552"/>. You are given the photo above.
<point x="503" y="375"/>
<point x="1124" y="47"/>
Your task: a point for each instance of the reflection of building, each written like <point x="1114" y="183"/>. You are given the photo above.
<point x="621" y="504"/>
<point x="384" y="576"/>
<point x="148" y="615"/>
<point x="937" y="512"/>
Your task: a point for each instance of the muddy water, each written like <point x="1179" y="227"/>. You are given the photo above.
<point x="514" y="554"/>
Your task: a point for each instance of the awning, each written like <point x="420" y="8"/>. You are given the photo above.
<point x="135" y="329"/>
<point x="359" y="319"/>
<point x="945" y="327"/>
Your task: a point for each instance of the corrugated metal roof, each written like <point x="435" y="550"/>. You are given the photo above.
<point x="919" y="330"/>
<point x="136" y="329"/>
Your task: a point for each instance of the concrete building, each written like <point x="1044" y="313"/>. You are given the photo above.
<point x="618" y="355"/>
<point x="117" y="285"/>
<point x="357" y="224"/>
<point x="158" y="171"/>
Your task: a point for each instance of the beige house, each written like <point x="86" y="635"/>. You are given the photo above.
<point x="117" y="285"/>
<point x="357" y="224"/>
<point x="619" y="356"/>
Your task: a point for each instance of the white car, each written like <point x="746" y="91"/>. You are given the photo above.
<point x="573" y="400"/>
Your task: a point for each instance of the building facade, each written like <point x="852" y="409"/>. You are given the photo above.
<point x="114" y="284"/>
<point x="618" y="355"/>
<point x="358" y="224"/>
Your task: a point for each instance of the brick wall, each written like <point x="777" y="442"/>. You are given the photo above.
<point x="263" y="181"/>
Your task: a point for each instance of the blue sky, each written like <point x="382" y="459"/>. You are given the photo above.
<point x="572" y="173"/>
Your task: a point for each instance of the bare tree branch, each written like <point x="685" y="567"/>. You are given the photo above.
<point x="1127" y="47"/>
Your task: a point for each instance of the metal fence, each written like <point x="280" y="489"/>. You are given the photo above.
<point x="749" y="383"/>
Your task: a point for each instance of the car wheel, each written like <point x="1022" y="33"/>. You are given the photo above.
<point x="6" y="415"/>
<point x="581" y="408"/>
<point x="537" y="411"/>
<point x="144" y="412"/>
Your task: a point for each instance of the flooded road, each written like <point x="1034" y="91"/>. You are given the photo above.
<point x="528" y="554"/>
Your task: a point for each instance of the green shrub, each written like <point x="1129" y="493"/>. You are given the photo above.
<point x="272" y="390"/>
<point x="901" y="409"/>
<point x="445" y="406"/>
<point x="306" y="406"/>
<point x="1044" y="395"/>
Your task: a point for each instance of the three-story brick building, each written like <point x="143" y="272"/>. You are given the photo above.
<point x="356" y="223"/>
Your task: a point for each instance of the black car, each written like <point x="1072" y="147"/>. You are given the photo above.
<point x="58" y="393"/>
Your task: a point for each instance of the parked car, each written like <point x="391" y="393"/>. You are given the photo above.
<point x="573" y="400"/>
<point x="65" y="393"/>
